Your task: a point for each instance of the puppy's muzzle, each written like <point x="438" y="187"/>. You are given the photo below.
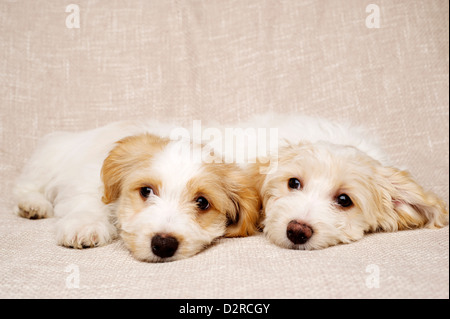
<point x="298" y="232"/>
<point x="164" y="245"/>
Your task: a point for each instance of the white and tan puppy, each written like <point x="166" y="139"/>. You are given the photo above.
<point x="165" y="203"/>
<point x="330" y="183"/>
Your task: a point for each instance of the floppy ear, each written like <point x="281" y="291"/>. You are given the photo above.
<point x="406" y="205"/>
<point x="129" y="153"/>
<point x="244" y="217"/>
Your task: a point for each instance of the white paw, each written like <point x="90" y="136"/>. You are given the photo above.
<point x="34" y="206"/>
<point x="82" y="233"/>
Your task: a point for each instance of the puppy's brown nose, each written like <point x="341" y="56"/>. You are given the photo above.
<point x="164" y="245"/>
<point x="298" y="232"/>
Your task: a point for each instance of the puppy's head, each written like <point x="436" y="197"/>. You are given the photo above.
<point x="170" y="206"/>
<point x="324" y="194"/>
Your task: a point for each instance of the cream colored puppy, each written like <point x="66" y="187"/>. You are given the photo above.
<point x="326" y="183"/>
<point x="323" y="194"/>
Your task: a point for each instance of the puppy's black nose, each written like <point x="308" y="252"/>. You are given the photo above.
<point x="164" y="245"/>
<point x="298" y="232"/>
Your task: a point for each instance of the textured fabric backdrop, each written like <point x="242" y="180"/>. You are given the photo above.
<point x="226" y="60"/>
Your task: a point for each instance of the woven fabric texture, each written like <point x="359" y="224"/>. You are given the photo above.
<point x="226" y="60"/>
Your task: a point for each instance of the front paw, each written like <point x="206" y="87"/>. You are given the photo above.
<point x="80" y="234"/>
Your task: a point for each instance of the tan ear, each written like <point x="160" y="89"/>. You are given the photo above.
<point x="129" y="153"/>
<point x="245" y="215"/>
<point x="406" y="204"/>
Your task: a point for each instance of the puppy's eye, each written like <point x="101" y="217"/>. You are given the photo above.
<point x="202" y="203"/>
<point x="294" y="183"/>
<point x="344" y="200"/>
<point x="146" y="192"/>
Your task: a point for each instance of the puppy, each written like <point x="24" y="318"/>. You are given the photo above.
<point x="332" y="184"/>
<point x="165" y="204"/>
<point x="323" y="194"/>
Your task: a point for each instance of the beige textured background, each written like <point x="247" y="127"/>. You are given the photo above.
<point x="227" y="60"/>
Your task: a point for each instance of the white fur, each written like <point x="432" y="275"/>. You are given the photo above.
<point x="331" y="159"/>
<point x="62" y="179"/>
<point x="167" y="213"/>
<point x="67" y="178"/>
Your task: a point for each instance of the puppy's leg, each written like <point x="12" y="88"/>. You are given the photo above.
<point x="85" y="223"/>
<point x="31" y="189"/>
<point x="30" y="201"/>
<point x="33" y="205"/>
